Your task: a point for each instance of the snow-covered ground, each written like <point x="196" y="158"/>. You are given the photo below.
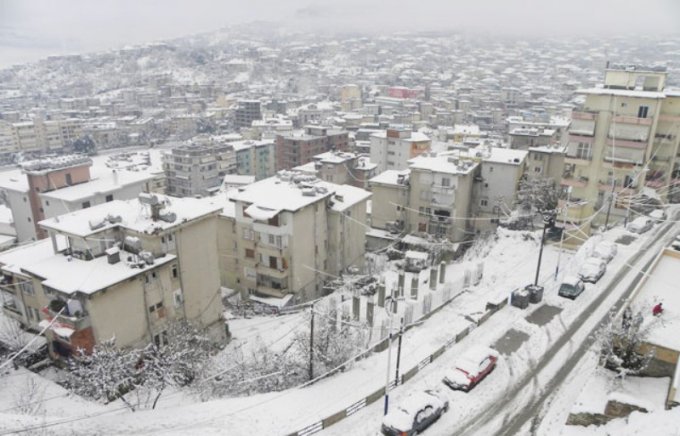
<point x="509" y="262"/>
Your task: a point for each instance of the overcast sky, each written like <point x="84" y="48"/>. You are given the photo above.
<point x="34" y="28"/>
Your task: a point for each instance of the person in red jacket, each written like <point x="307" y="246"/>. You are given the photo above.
<point x="658" y="309"/>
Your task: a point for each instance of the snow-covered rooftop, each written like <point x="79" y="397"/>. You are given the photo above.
<point x="622" y="92"/>
<point x="69" y="275"/>
<point x="13" y="260"/>
<point x="391" y="177"/>
<point x="504" y="155"/>
<point x="111" y="182"/>
<point x="449" y="163"/>
<point x="133" y="214"/>
<point x="293" y="190"/>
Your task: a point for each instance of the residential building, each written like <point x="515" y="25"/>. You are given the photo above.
<point x="197" y="169"/>
<point x="625" y="136"/>
<point x="122" y="269"/>
<point x="341" y="168"/>
<point x="393" y="148"/>
<point x="286" y="235"/>
<point x="247" y="112"/>
<point x="546" y="162"/>
<point x="255" y="158"/>
<point x="500" y="175"/>
<point x="53" y="186"/>
<point x="299" y="147"/>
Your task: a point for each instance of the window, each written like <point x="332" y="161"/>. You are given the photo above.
<point x="250" y="253"/>
<point x="86" y="204"/>
<point x="446" y="181"/>
<point x="537" y="169"/>
<point x="174" y="271"/>
<point x="248" y="234"/>
<point x="156" y="307"/>
<point x="109" y="198"/>
<point x="491" y="169"/>
<point x="272" y="262"/>
<point x="272" y="239"/>
<point x="279" y="241"/>
<point x="484" y="202"/>
<point x="583" y="151"/>
<point x="27" y="287"/>
<point x="29" y="219"/>
<point x="69" y="181"/>
<point x="160" y="339"/>
<point x="642" y="111"/>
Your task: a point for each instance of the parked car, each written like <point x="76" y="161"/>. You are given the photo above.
<point x="592" y="269"/>
<point x="605" y="250"/>
<point x="414" y="414"/>
<point x="571" y="287"/>
<point x="675" y="245"/>
<point x="658" y="214"/>
<point x="640" y="225"/>
<point x="471" y="368"/>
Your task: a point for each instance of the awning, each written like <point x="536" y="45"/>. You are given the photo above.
<point x="64" y="332"/>
<point x="260" y="213"/>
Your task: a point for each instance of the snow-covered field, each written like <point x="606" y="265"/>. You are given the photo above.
<point x="509" y="262"/>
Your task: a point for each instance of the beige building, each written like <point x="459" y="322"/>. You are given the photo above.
<point x="289" y="234"/>
<point x="393" y="148"/>
<point x="624" y="137"/>
<point x="341" y="168"/>
<point x="123" y="269"/>
<point x="546" y="162"/>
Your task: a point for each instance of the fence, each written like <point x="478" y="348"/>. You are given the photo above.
<point x="379" y="393"/>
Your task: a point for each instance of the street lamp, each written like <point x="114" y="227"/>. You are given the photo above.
<point x="390" y="314"/>
<point x="548" y="217"/>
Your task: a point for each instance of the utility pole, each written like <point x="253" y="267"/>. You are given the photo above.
<point x="401" y="334"/>
<point x="546" y="221"/>
<point x="389" y="362"/>
<point x="311" y="346"/>
<point x="564" y="227"/>
<point x="611" y="200"/>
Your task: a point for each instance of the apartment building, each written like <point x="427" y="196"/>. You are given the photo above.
<point x="299" y="147"/>
<point x="341" y="168"/>
<point x="123" y="269"/>
<point x="546" y="162"/>
<point x="53" y="186"/>
<point x="625" y="137"/>
<point x="393" y="148"/>
<point x="197" y="169"/>
<point x="255" y="158"/>
<point x="288" y="234"/>
<point x="37" y="135"/>
<point x="500" y="175"/>
<point x="247" y="112"/>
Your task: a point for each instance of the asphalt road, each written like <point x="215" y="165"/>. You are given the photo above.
<point x="516" y="416"/>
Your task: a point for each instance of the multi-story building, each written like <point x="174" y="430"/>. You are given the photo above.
<point x="299" y="147"/>
<point x="58" y="185"/>
<point x="341" y="168"/>
<point x="546" y="162"/>
<point x="625" y="136"/>
<point x="123" y="269"/>
<point x="393" y="148"/>
<point x="198" y="168"/>
<point x="501" y="172"/>
<point x="247" y="112"/>
<point x="255" y="158"/>
<point x="286" y="235"/>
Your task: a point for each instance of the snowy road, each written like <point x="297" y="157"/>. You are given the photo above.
<point x="514" y="417"/>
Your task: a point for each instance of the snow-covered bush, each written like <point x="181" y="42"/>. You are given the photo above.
<point x="620" y="340"/>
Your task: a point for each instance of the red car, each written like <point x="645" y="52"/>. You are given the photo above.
<point x="471" y="368"/>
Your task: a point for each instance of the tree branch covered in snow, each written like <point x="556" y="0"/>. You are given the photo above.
<point x="620" y="341"/>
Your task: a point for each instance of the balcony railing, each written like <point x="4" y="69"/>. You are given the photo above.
<point x="632" y="120"/>
<point x="580" y="115"/>
<point x="77" y="321"/>
<point x="626" y="143"/>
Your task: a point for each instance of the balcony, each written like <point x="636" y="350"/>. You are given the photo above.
<point x="77" y="321"/>
<point x="12" y="311"/>
<point x="577" y="182"/>
<point x="271" y="272"/>
<point x="632" y="120"/>
<point x="580" y="137"/>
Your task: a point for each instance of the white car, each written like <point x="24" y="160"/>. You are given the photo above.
<point x="658" y="214"/>
<point x="592" y="269"/>
<point x="471" y="368"/>
<point x="640" y="225"/>
<point x="605" y="250"/>
<point x="413" y="415"/>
